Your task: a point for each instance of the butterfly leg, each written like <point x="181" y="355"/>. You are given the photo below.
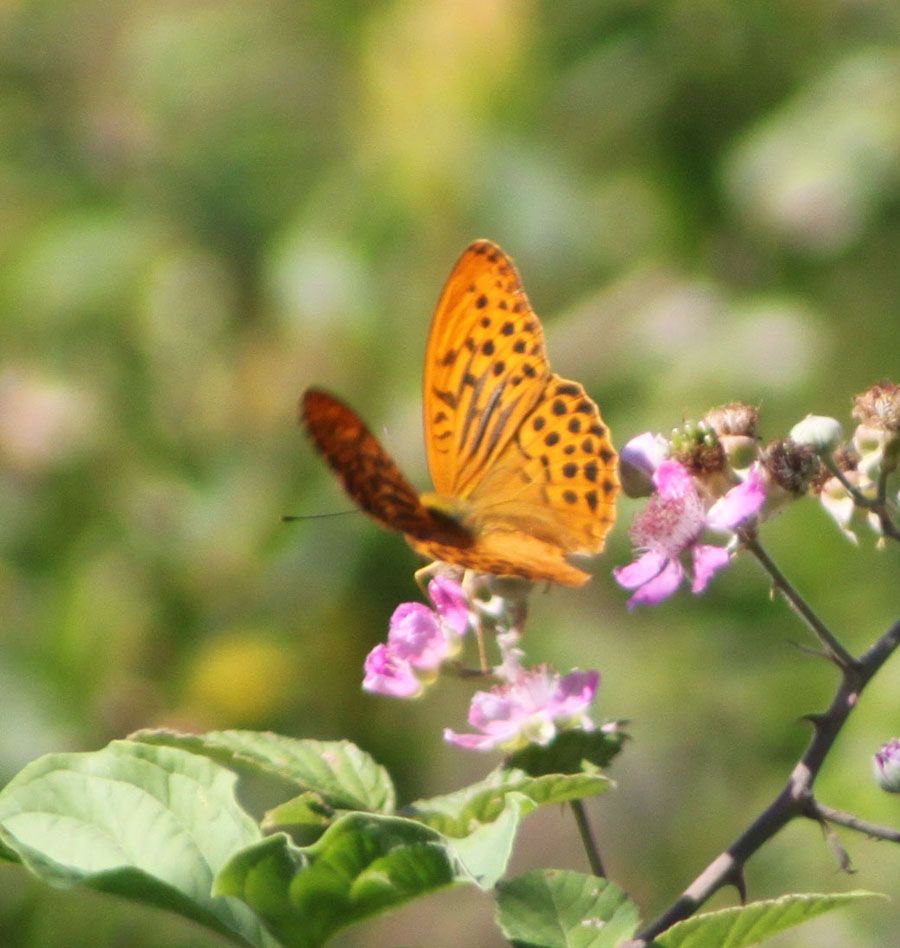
<point x="426" y="573"/>
<point x="475" y="584"/>
<point x="514" y="592"/>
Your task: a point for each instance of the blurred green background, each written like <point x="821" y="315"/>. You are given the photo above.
<point x="207" y="206"/>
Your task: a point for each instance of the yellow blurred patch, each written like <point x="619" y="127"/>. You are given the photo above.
<point x="241" y="678"/>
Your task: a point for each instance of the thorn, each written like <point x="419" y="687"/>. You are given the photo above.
<point x="815" y="718"/>
<point x="809" y="650"/>
<point x="842" y="857"/>
<point x="737" y="879"/>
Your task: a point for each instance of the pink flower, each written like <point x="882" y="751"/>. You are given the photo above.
<point x="417" y="636"/>
<point x="451" y="602"/>
<point x="388" y="675"/>
<point x="419" y="641"/>
<point x="671" y="525"/>
<point x="532" y="709"/>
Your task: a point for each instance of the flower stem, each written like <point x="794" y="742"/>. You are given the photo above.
<point x="888" y="527"/>
<point x="587" y="838"/>
<point x="832" y="646"/>
<point x="878" y="505"/>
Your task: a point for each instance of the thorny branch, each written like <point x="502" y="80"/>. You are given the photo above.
<point x="796" y="797"/>
<point x="833" y="647"/>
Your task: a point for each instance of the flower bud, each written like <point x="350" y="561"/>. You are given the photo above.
<point x="789" y="471"/>
<point x="878" y="436"/>
<point x="791" y="466"/>
<point x="736" y="425"/>
<point x="818" y="432"/>
<point x="735" y="418"/>
<point x="696" y="447"/>
<point x="879" y="407"/>
<point x="886" y="766"/>
<point x="640" y="457"/>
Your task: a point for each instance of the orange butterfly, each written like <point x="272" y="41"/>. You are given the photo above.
<point x="523" y="468"/>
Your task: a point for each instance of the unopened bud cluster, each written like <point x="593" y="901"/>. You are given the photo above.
<point x="813" y="459"/>
<point x="860" y="469"/>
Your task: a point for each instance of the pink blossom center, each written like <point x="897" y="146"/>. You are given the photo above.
<point x="674" y="516"/>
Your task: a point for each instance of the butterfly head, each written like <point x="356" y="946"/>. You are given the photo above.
<point x="449" y="516"/>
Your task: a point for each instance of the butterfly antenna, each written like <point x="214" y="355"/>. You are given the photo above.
<point x="291" y="518"/>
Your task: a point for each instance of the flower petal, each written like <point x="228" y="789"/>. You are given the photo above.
<point x="573" y="693"/>
<point x="451" y="602"/>
<point x="641" y="571"/>
<point x="469" y="741"/>
<point x="672" y="479"/>
<point x="708" y="560"/>
<point x="740" y="503"/>
<point x="660" y="586"/>
<point x="417" y="636"/>
<point x="386" y="674"/>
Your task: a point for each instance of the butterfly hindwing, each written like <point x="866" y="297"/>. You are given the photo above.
<point x="557" y="477"/>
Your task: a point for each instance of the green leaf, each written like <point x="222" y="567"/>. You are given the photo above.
<point x="572" y="752"/>
<point x="304" y="812"/>
<point x="559" y="909"/>
<point x="455" y="814"/>
<point x="345" y="777"/>
<point x="486" y="851"/>
<point x="362" y="865"/>
<point x="154" y="824"/>
<point x="750" y="924"/>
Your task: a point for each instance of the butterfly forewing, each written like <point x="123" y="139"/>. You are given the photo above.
<point x="368" y="473"/>
<point x="485" y="368"/>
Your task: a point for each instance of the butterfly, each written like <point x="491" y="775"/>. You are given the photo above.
<point x="523" y="467"/>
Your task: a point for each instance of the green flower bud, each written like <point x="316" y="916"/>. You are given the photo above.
<point x="818" y="432"/>
<point x="886" y="766"/>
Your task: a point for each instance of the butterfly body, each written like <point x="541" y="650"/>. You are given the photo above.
<point x="523" y="468"/>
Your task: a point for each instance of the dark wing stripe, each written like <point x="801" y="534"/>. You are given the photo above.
<point x="472" y="411"/>
<point x="486" y="415"/>
<point x="500" y="424"/>
<point x="448" y="398"/>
